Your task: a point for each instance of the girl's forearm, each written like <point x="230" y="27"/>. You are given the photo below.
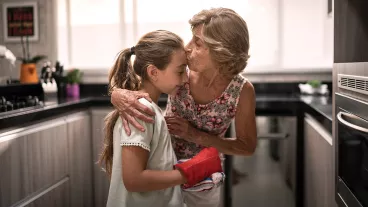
<point x="152" y="180"/>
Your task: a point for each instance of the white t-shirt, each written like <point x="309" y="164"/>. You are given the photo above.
<point x="156" y="139"/>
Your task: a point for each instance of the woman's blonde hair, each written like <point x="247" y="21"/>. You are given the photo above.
<point x="226" y="34"/>
<point x="155" y="48"/>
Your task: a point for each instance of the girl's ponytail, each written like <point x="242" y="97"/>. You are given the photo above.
<point x="122" y="74"/>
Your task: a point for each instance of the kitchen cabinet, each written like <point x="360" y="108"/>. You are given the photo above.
<point x="31" y="158"/>
<point x="56" y="195"/>
<point x="80" y="159"/>
<point x="100" y="179"/>
<point x="319" y="190"/>
<point x="350" y="25"/>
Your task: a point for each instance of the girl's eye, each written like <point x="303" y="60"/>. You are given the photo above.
<point x="181" y="72"/>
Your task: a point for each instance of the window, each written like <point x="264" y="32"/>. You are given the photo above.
<point x="92" y="32"/>
<point x="92" y="38"/>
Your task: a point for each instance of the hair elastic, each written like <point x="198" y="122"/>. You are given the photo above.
<point x="132" y="50"/>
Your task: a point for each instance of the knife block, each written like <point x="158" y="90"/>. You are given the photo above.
<point x="49" y="89"/>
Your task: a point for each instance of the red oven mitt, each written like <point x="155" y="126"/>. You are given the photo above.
<point x="201" y="166"/>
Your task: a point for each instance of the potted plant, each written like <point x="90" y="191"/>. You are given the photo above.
<point x="73" y="79"/>
<point x="28" y="69"/>
<point x="314" y="87"/>
<point x="314" y="83"/>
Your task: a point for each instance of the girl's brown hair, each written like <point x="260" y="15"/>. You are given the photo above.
<point x="154" y="48"/>
<point x="226" y="34"/>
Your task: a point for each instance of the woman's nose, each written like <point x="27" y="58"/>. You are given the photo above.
<point x="187" y="48"/>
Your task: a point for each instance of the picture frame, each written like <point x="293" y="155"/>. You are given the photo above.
<point x="20" y="18"/>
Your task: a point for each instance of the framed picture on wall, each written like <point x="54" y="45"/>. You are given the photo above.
<point x="20" y="19"/>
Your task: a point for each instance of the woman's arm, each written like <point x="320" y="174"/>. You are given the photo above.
<point x="126" y="102"/>
<point x="245" y="126"/>
<point x="137" y="179"/>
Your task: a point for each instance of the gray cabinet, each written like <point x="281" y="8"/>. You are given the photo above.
<point x="287" y="150"/>
<point x="32" y="158"/>
<point x="100" y="179"/>
<point x="80" y="159"/>
<point x="319" y="171"/>
<point x="56" y="195"/>
<point x="53" y="163"/>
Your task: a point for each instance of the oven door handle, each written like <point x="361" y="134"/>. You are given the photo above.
<point x="351" y="116"/>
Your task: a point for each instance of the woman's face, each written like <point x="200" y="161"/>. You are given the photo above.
<point x="198" y="54"/>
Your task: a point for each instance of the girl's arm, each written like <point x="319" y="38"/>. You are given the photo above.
<point x="137" y="179"/>
<point x="135" y="154"/>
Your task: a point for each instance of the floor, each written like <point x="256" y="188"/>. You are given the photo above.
<point x="264" y="186"/>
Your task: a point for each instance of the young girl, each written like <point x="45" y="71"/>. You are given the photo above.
<point x="143" y="166"/>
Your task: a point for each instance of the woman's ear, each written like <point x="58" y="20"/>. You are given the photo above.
<point x="152" y="72"/>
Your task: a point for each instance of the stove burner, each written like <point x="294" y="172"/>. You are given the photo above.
<point x="19" y="103"/>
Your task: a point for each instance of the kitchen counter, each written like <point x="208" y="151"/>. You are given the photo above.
<point x="319" y="107"/>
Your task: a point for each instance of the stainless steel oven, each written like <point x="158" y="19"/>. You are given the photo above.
<point x="351" y="147"/>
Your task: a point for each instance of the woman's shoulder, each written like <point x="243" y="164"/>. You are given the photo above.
<point x="237" y="85"/>
<point x="247" y="93"/>
<point x="239" y="78"/>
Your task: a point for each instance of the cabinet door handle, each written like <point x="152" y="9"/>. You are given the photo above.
<point x="273" y="136"/>
<point x="76" y="117"/>
<point x="40" y="193"/>
<point x="363" y="124"/>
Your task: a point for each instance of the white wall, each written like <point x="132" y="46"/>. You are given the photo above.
<point x="307" y="35"/>
<point x="303" y="40"/>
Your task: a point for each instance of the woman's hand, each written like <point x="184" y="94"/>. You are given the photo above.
<point x="126" y="102"/>
<point x="181" y="127"/>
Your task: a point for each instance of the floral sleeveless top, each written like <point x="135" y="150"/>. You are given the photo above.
<point x="213" y="118"/>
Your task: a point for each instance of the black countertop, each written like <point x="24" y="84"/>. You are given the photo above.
<point x="320" y="107"/>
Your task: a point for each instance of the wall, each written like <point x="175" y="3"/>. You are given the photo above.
<point x="307" y="34"/>
<point x="47" y="37"/>
<point x="302" y="22"/>
<point x="306" y="44"/>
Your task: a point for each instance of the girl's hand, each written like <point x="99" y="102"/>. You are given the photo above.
<point x="201" y="166"/>
<point x="180" y="127"/>
<point x="126" y="102"/>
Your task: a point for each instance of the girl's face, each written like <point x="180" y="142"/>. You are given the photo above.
<point x="174" y="75"/>
<point x="198" y="54"/>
